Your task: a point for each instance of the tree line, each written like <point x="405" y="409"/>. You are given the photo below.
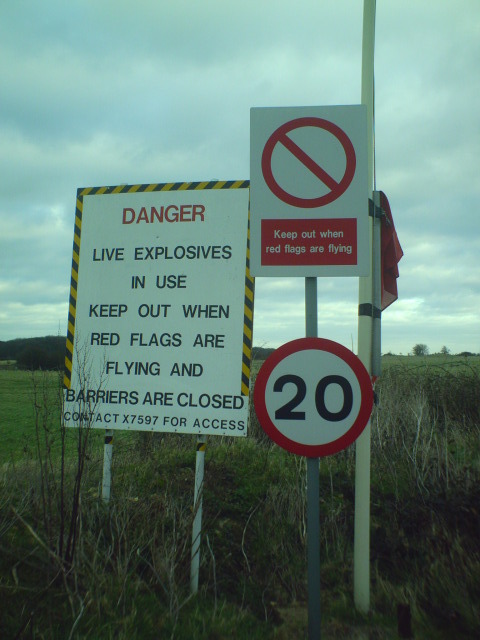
<point x="421" y="349"/>
<point x="49" y="352"/>
<point x="35" y="353"/>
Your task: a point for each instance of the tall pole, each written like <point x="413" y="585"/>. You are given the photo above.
<point x="313" y="489"/>
<point x="361" y="558"/>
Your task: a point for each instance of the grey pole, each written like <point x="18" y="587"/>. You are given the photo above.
<point x="107" y="465"/>
<point x="313" y="489"/>
<point x="197" y="510"/>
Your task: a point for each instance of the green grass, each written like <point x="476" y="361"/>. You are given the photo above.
<point x="17" y="415"/>
<point x="20" y="393"/>
<point x="130" y="578"/>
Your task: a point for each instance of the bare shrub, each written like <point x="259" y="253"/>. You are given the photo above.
<point x="422" y="417"/>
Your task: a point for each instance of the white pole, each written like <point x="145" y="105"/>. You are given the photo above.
<point x="361" y="552"/>
<point x="197" y="510"/>
<point x="107" y="465"/>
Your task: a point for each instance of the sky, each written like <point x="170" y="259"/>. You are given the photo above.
<point x="100" y="92"/>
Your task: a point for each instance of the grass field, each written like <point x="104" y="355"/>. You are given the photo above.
<point x="20" y="393"/>
<point x="70" y="567"/>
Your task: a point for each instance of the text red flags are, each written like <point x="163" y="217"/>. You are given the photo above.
<point x="391" y="254"/>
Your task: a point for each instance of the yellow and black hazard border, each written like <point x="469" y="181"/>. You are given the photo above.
<point x="147" y="188"/>
<point x="247" y="318"/>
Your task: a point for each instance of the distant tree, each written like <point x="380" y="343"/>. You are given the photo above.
<point x="33" y="357"/>
<point x="444" y="351"/>
<point x="35" y="353"/>
<point x="420" y="350"/>
<point x="261" y="353"/>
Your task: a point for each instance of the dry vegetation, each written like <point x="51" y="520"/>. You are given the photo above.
<point x="72" y="567"/>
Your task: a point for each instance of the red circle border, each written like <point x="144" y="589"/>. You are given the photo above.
<point x="366" y="404"/>
<point x="308" y="203"/>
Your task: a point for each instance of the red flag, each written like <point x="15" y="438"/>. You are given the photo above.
<point x="391" y="255"/>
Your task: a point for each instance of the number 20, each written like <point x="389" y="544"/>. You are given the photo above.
<point x="286" y="411"/>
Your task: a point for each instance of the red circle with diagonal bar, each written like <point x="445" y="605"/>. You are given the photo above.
<point x="336" y="188"/>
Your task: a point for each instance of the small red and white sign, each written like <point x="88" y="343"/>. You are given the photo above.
<point x="313" y="397"/>
<point x="309" y="191"/>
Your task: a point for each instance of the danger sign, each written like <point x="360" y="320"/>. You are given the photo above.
<point x="309" y="191"/>
<point x="160" y="314"/>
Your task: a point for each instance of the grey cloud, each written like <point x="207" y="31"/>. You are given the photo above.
<point x="97" y="93"/>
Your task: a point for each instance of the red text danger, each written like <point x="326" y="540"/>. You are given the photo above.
<point x="169" y="213"/>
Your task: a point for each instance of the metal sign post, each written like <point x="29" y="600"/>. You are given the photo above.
<point x="309" y="194"/>
<point x="197" y="513"/>
<point x="313" y="489"/>
<point x="146" y="328"/>
<point x="107" y="465"/>
<point x="331" y="404"/>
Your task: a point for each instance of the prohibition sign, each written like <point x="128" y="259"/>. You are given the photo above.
<point x="336" y="189"/>
<point x="313" y="397"/>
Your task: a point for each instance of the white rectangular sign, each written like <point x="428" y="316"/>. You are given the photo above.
<point x="160" y="309"/>
<point x="309" y="191"/>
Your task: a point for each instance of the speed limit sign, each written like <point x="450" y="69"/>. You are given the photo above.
<point x="313" y="397"/>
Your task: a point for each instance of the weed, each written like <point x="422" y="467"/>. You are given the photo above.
<point x="81" y="569"/>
